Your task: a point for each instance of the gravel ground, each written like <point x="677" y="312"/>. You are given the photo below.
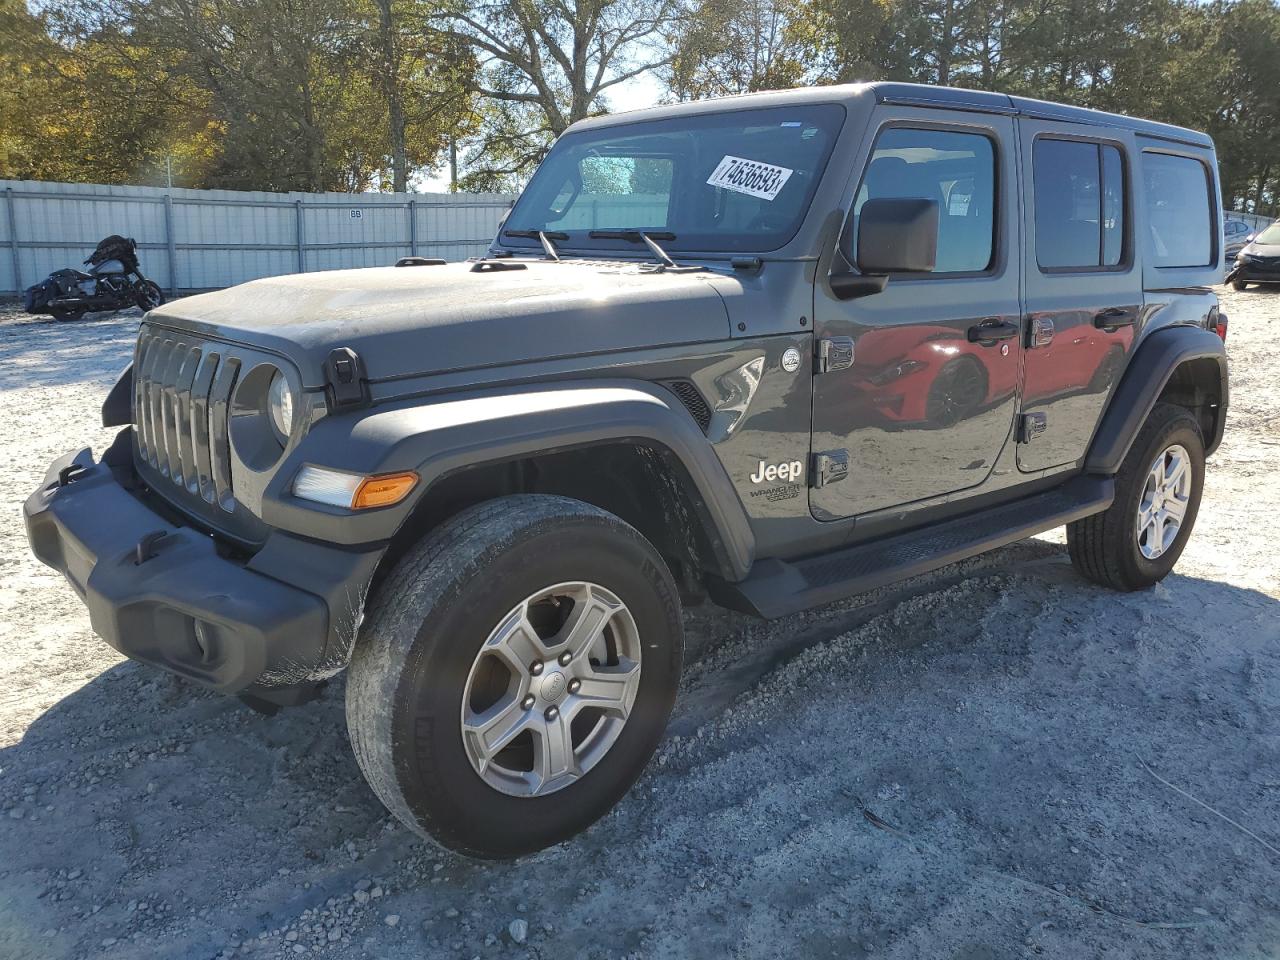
<point x="998" y="760"/>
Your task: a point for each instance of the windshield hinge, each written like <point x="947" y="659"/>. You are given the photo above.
<point x="345" y="381"/>
<point x="746" y="264"/>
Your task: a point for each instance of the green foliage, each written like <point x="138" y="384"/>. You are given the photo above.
<point x="361" y="94"/>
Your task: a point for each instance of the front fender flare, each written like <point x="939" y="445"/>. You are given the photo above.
<point x="439" y="436"/>
<point x="1153" y="365"/>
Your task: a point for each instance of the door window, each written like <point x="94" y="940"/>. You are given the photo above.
<point x="1178" y="210"/>
<point x="1079" y="205"/>
<point x="955" y="169"/>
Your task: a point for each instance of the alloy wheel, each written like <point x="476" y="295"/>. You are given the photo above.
<point x="1163" y="504"/>
<point x="551" y="689"/>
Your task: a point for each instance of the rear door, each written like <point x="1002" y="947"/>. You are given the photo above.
<point x="928" y="402"/>
<point x="1083" y="283"/>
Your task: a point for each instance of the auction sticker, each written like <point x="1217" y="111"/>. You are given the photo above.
<point x="751" y="177"/>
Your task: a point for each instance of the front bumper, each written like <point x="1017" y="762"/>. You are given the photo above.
<point x="1255" y="272"/>
<point x="285" y="618"/>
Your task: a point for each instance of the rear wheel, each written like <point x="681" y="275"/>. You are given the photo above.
<point x="1137" y="540"/>
<point x="515" y="674"/>
<point x="1239" y="285"/>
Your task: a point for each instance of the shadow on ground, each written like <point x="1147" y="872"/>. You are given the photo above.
<point x="952" y="769"/>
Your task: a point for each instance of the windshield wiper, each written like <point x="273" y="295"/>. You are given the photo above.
<point x="649" y="239"/>
<point x="545" y="237"/>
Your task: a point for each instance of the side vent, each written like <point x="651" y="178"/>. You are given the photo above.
<point x="693" y="401"/>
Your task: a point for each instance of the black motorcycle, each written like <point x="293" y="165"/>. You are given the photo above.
<point x="114" y="282"/>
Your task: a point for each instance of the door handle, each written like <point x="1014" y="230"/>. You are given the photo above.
<point x="989" y="331"/>
<point x="1115" y="317"/>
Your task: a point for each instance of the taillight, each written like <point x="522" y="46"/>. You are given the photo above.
<point x="1217" y="322"/>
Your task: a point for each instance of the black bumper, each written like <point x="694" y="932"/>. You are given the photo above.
<point x="1254" y="272"/>
<point x="234" y="627"/>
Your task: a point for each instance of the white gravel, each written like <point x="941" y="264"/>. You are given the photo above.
<point x="990" y="762"/>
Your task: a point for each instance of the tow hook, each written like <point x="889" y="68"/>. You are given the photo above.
<point x="69" y="473"/>
<point x="146" y="548"/>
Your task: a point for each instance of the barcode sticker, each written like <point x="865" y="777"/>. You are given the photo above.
<point x="751" y="177"/>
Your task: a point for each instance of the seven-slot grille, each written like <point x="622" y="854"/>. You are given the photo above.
<point x="181" y="391"/>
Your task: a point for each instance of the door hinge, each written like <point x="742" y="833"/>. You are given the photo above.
<point x="345" y="380"/>
<point x="1031" y="425"/>
<point x="829" y="467"/>
<point x="834" y="353"/>
<point x="1040" y="332"/>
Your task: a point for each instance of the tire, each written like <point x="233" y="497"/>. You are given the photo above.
<point x="1239" y="285"/>
<point x="418" y="665"/>
<point x="150" y="295"/>
<point x="1109" y="548"/>
<point x="957" y="392"/>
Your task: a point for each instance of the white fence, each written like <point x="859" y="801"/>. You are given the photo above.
<point x="1255" y="221"/>
<point x="203" y="239"/>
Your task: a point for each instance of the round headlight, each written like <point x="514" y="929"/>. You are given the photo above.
<point x="280" y="403"/>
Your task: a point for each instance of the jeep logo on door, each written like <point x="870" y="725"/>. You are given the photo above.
<point x="784" y="472"/>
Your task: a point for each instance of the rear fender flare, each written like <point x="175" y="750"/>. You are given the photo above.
<point x="439" y="437"/>
<point x="1153" y="365"/>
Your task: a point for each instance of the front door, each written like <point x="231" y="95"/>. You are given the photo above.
<point x="929" y="400"/>
<point x="1083" y="289"/>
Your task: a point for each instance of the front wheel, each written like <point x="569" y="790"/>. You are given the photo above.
<point x="1135" y="542"/>
<point x="515" y="674"/>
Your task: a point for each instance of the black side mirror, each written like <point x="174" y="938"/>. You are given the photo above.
<point x="895" y="235"/>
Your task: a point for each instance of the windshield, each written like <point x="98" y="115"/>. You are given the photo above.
<point x="734" y="181"/>
<point x="1270" y="234"/>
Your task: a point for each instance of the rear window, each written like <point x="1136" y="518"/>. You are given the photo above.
<point x="1079" y="205"/>
<point x="1179" y="210"/>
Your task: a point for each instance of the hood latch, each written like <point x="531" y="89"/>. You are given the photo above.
<point x="345" y="380"/>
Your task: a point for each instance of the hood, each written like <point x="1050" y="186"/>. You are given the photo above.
<point x="406" y="321"/>
<point x="1262" y="249"/>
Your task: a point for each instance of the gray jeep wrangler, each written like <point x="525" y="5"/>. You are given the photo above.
<point x="771" y="351"/>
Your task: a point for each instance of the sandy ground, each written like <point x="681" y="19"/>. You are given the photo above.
<point x="995" y="761"/>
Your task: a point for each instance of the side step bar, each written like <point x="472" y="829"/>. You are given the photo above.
<point x="776" y="588"/>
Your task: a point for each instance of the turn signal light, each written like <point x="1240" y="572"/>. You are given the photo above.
<point x="383" y="491"/>
<point x="352" y="491"/>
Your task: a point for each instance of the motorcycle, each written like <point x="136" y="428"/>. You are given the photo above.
<point x="114" y="282"/>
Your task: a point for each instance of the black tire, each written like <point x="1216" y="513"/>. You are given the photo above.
<point x="1239" y="285"/>
<point x="150" y="295"/>
<point x="957" y="392"/>
<point x="424" y="631"/>
<point x="1104" y="547"/>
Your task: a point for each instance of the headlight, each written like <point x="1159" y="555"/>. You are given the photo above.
<point x="280" y="404"/>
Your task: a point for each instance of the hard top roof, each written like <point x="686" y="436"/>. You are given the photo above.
<point x="911" y="94"/>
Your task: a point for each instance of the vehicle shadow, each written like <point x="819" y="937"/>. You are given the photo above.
<point x="142" y="817"/>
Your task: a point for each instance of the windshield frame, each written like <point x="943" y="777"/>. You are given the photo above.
<point x="580" y="244"/>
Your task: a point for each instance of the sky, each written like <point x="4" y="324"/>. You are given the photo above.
<point x="633" y="94"/>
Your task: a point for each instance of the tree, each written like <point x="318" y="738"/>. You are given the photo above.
<point x="736" y="46"/>
<point x="545" y="64"/>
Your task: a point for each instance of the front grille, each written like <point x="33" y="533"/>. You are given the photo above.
<point x="181" y="391"/>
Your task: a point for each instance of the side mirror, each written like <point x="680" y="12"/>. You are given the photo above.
<point x="895" y="235"/>
<point x="898" y="235"/>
